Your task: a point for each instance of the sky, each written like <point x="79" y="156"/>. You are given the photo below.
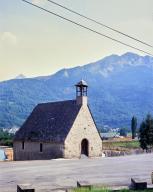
<point x="35" y="43"/>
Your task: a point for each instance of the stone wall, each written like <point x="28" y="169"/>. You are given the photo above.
<point x="83" y="128"/>
<point x="31" y="151"/>
<point x="113" y="153"/>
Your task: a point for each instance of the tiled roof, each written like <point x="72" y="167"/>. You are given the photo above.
<point x="49" y="122"/>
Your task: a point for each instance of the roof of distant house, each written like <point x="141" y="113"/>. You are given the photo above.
<point x="108" y="135"/>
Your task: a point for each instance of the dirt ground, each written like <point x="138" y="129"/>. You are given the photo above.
<point x="56" y="174"/>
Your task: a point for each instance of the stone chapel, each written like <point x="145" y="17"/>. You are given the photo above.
<point x="63" y="129"/>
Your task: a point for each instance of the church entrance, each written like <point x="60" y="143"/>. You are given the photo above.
<point x="84" y="147"/>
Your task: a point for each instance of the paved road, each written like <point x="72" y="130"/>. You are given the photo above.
<point x="54" y="174"/>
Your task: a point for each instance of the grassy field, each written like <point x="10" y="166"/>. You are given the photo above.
<point x="106" y="190"/>
<point x="121" y="144"/>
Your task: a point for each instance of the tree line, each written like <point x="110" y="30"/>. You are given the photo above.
<point x="145" y="132"/>
<point x="6" y="138"/>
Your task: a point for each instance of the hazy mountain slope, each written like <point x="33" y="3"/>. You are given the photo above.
<point x="119" y="87"/>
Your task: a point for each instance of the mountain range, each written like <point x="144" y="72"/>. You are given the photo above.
<point x="119" y="87"/>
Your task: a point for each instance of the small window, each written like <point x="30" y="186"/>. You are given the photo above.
<point x="22" y="145"/>
<point x="41" y="147"/>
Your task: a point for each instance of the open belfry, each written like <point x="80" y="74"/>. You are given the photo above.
<point x="63" y="129"/>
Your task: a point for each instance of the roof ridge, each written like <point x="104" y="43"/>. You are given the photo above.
<point x="56" y="102"/>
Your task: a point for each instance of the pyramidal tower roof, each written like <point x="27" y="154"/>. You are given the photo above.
<point x="82" y="83"/>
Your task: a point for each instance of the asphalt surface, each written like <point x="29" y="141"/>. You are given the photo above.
<point x="55" y="174"/>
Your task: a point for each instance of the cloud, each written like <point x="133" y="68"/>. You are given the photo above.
<point x="8" y="38"/>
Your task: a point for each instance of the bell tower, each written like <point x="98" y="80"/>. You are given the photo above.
<point x="81" y="93"/>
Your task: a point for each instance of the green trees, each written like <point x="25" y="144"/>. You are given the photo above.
<point x="133" y="126"/>
<point x="123" y="132"/>
<point x="6" y="138"/>
<point x="146" y="133"/>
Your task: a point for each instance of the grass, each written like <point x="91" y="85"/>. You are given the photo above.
<point x="127" y="144"/>
<point x="91" y="190"/>
<point x="121" y="144"/>
<point x="94" y="189"/>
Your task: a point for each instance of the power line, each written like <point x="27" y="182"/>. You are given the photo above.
<point x="99" y="23"/>
<point x="92" y="30"/>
